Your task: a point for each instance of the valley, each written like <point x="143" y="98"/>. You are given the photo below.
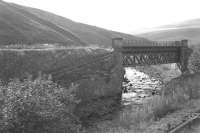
<point x="58" y="75"/>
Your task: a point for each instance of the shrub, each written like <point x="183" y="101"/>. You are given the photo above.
<point x="161" y="105"/>
<point x="194" y="61"/>
<point x="37" y="106"/>
<point x="186" y="87"/>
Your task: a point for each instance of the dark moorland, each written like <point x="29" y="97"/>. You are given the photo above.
<point x="25" y="25"/>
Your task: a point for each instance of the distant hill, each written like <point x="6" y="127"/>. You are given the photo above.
<point x="25" y="25"/>
<point x="186" y="30"/>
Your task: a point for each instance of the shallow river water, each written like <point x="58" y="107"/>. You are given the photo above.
<point x="139" y="87"/>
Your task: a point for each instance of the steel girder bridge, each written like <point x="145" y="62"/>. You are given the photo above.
<point x="138" y="53"/>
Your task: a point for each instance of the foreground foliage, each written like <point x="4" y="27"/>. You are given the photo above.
<point x="37" y="106"/>
<point x="175" y="96"/>
<point x="194" y="61"/>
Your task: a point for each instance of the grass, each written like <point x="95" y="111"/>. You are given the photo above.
<point x="129" y="120"/>
<point x="137" y="119"/>
<point x="31" y="103"/>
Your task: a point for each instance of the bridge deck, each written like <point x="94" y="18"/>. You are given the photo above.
<point x="137" y="53"/>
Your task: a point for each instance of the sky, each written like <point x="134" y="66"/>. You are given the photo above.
<point x="129" y="16"/>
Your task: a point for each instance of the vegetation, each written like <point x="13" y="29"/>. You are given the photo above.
<point x="194" y="62"/>
<point x="137" y="119"/>
<point x="40" y="105"/>
<point x="174" y="96"/>
<point x="37" y="106"/>
<point x="19" y="63"/>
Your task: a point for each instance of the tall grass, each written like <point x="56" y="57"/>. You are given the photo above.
<point x="41" y="106"/>
<point x="174" y="96"/>
<point x="137" y="119"/>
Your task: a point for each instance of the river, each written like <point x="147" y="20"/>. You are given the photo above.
<point x="139" y="87"/>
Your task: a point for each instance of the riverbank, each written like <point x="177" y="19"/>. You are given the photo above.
<point x="164" y="72"/>
<point x="138" y="119"/>
<point x="156" y="114"/>
<point x="174" y="119"/>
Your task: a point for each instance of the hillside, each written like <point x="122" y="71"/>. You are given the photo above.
<point x="25" y="25"/>
<point x="186" y="30"/>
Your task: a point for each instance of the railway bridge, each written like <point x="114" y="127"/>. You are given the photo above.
<point x="139" y="53"/>
<point x="99" y="77"/>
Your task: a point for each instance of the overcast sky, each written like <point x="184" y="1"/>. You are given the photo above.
<point x="120" y="15"/>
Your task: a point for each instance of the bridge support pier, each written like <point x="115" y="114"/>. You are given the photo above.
<point x="138" y="53"/>
<point x="118" y="58"/>
<point x="185" y="53"/>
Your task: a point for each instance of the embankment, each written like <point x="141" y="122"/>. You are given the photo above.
<point x="94" y="70"/>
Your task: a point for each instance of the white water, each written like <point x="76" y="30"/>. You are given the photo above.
<point x="140" y="87"/>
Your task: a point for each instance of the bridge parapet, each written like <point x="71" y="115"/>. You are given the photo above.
<point x="144" y="43"/>
<point x="138" y="53"/>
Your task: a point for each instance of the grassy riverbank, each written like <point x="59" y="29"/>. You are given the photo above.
<point x="29" y="102"/>
<point x="129" y="125"/>
<point x="28" y="105"/>
<point x="160" y="113"/>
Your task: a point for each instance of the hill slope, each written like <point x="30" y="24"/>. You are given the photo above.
<point x="186" y="30"/>
<point x="25" y="25"/>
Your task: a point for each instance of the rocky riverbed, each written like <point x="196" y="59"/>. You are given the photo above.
<point x="138" y="87"/>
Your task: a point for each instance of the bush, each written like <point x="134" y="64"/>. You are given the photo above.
<point x="37" y="106"/>
<point x="194" y="61"/>
<point x="186" y="87"/>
